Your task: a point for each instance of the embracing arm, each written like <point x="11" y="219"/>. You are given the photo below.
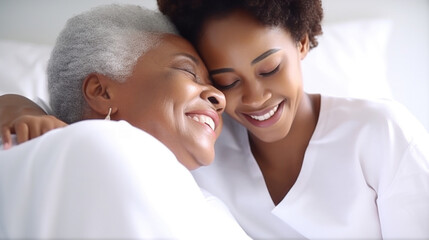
<point x="23" y="117"/>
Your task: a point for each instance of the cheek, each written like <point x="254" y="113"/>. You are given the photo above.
<point x="232" y="100"/>
<point x="157" y="119"/>
<point x="294" y="82"/>
<point x="288" y="81"/>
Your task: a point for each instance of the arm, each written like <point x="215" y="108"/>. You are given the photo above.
<point x="403" y="192"/>
<point x="25" y="118"/>
<point x="404" y="206"/>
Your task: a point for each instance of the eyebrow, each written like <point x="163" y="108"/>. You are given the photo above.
<point x="264" y="55"/>
<point x="254" y="61"/>
<point x="220" y="70"/>
<point x="186" y="55"/>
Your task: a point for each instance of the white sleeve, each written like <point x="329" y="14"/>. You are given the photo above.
<point x="44" y="105"/>
<point x="404" y="207"/>
<point x="99" y="179"/>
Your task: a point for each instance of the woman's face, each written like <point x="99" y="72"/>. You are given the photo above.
<point x="169" y="96"/>
<point x="258" y="69"/>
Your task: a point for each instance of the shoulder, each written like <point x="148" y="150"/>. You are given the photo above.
<point x="112" y="135"/>
<point x="115" y="145"/>
<point x="372" y="114"/>
<point x="96" y="129"/>
<point x="363" y="108"/>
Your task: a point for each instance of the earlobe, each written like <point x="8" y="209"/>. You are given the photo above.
<point x="95" y="89"/>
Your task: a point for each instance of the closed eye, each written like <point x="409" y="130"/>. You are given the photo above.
<point x="225" y="87"/>
<point x="190" y="72"/>
<point x="186" y="71"/>
<point x="267" y="74"/>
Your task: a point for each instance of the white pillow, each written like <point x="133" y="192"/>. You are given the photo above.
<point x="350" y="60"/>
<point x="23" y="69"/>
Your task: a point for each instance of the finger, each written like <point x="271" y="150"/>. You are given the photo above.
<point x="6" y="137"/>
<point x="55" y="123"/>
<point x="34" y="130"/>
<point x="21" y="131"/>
<point x="48" y="126"/>
<point x="61" y="124"/>
<point x="46" y="129"/>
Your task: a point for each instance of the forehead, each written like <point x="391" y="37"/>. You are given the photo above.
<point x="239" y="36"/>
<point x="168" y="45"/>
<point x="169" y="50"/>
<point x="234" y="23"/>
<point x="238" y="24"/>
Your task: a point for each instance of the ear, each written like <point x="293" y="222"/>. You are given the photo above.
<point x="95" y="89"/>
<point x="303" y="46"/>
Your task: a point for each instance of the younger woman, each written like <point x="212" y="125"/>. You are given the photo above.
<point x="296" y="165"/>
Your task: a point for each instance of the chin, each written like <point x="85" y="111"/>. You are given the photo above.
<point x="194" y="162"/>
<point x="206" y="161"/>
<point x="270" y="136"/>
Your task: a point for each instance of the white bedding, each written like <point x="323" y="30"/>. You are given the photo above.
<point x="104" y="179"/>
<point x="349" y="61"/>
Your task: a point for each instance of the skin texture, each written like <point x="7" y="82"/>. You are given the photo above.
<point x="258" y="69"/>
<point x="167" y="90"/>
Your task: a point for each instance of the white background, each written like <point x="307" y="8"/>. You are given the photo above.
<point x="40" y="21"/>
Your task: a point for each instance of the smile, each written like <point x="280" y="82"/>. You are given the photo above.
<point x="265" y="116"/>
<point x="203" y="119"/>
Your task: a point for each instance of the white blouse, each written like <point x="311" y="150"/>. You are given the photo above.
<point x="365" y="175"/>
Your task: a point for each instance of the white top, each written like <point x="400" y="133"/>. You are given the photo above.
<point x="104" y="179"/>
<point x="365" y="175"/>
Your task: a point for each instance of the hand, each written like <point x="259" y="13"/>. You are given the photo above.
<point x="27" y="127"/>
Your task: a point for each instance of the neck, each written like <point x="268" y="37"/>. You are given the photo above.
<point x="280" y="162"/>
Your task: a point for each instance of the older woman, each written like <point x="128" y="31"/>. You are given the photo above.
<point x="110" y="179"/>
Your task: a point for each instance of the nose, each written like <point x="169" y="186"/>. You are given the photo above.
<point x="215" y="97"/>
<point x="254" y="94"/>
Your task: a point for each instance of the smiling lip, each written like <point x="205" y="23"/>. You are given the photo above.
<point x="266" y="117"/>
<point x="207" y="118"/>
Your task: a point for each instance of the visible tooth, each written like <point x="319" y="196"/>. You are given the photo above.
<point x="266" y="115"/>
<point x="204" y="119"/>
<point x="211" y="123"/>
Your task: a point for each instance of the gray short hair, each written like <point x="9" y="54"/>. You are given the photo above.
<point x="107" y="40"/>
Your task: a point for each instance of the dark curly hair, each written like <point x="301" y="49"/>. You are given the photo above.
<point x="299" y="17"/>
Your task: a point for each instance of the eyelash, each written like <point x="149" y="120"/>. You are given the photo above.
<point x="190" y="72"/>
<point x="223" y="88"/>
<point x="187" y="70"/>
<point x="271" y="72"/>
